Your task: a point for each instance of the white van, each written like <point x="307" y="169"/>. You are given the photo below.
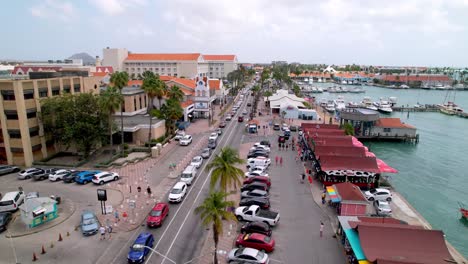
<point x="189" y="174"/>
<point x="259" y="161"/>
<point x="11" y="201"/>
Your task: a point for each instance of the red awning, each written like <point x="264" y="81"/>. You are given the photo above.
<point x="384" y="167"/>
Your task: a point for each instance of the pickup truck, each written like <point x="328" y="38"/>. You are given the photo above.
<point x="254" y="213"/>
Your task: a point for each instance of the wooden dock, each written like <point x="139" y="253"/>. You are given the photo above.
<point x="424" y="108"/>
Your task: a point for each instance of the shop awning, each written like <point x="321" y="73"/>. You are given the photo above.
<point x="333" y="196"/>
<point x="353" y="239"/>
<point x="384" y="167"/>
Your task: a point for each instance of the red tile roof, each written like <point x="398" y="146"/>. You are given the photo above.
<point x="163" y="56"/>
<point x="106" y="69"/>
<point x="368" y="164"/>
<point x="319" y="126"/>
<point x="165" y="78"/>
<point x="26" y="69"/>
<point x="312" y="74"/>
<point x="186" y="103"/>
<point x="412" y="78"/>
<point x="392" y="123"/>
<point x="352" y="151"/>
<point x="219" y="57"/>
<point x="135" y="83"/>
<point x="349" y="192"/>
<point x="214" y="84"/>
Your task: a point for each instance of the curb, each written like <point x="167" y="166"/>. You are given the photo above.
<point x="55" y="224"/>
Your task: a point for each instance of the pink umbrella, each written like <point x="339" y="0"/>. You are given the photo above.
<point x="384" y="167"/>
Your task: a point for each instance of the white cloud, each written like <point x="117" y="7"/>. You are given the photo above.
<point x="54" y="9"/>
<point x="116" y="7"/>
<point x="140" y="30"/>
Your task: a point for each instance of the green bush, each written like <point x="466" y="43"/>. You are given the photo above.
<point x="125" y="146"/>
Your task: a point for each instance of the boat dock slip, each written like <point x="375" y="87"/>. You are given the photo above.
<point x="425" y="108"/>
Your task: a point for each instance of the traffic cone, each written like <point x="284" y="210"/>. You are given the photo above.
<point x="68" y="233"/>
<point x="60" y="237"/>
<point x="43" y="250"/>
<point x="34" y="256"/>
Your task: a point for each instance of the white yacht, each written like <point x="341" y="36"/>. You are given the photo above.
<point x="339" y="103"/>
<point x="330" y="107"/>
<point x="385" y="106"/>
<point x="344" y="82"/>
<point x="367" y="103"/>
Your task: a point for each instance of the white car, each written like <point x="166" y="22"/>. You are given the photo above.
<point x="185" y="140"/>
<point x="104" y="177"/>
<point x="197" y="161"/>
<point x="180" y="134"/>
<point x="382" y="207"/>
<point x="247" y="255"/>
<point x="244" y="112"/>
<point x="258" y="168"/>
<point x="178" y="192"/>
<point x="260" y="147"/>
<point x="378" y="194"/>
<point x="256" y="173"/>
<point x="58" y="175"/>
<point x="228" y="118"/>
<point x="213" y="136"/>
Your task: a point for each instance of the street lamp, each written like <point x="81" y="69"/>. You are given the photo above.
<point x="139" y="246"/>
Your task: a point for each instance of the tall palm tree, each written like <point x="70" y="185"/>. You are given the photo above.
<point x="212" y="212"/>
<point x="110" y="101"/>
<point x="171" y="111"/>
<point x="150" y="86"/>
<point x="224" y="170"/>
<point x="175" y="93"/>
<point x="119" y="80"/>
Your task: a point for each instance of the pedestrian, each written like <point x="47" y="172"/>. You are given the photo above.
<point x="116" y="215"/>
<point x="323" y="197"/>
<point x="297" y="158"/>
<point x="321" y="229"/>
<point x="281" y="161"/>
<point x="276" y="160"/>
<point x="139" y="189"/>
<point x="102" y="230"/>
<point x="148" y="190"/>
<point x="303" y="177"/>
<point x="279" y="146"/>
<point x="109" y="230"/>
<point x="287" y="146"/>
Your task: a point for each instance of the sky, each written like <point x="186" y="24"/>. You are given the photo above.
<point x="396" y="32"/>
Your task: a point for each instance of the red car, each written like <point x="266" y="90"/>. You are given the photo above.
<point x="240" y="119"/>
<point x="257" y="241"/>
<point x="157" y="215"/>
<point x="263" y="179"/>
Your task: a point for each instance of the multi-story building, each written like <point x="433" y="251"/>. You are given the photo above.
<point x="22" y="139"/>
<point x="221" y="65"/>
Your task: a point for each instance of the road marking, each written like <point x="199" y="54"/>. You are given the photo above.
<point x="191" y="208"/>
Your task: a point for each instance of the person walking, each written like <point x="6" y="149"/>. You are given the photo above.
<point x="102" y="231"/>
<point x="321" y="229"/>
<point x="109" y="230"/>
<point x="116" y="215"/>
<point x="276" y="160"/>
<point x="323" y="197"/>
<point x="303" y="177"/>
<point x="148" y="190"/>
<point x="281" y="161"/>
<point x="287" y="146"/>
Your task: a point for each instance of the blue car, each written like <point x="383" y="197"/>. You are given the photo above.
<point x="85" y="176"/>
<point x="89" y="223"/>
<point x="139" y="250"/>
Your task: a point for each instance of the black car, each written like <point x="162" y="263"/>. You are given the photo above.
<point x="212" y="144"/>
<point x="70" y="177"/>
<point x="257" y="154"/>
<point x="265" y="143"/>
<point x="5" y="218"/>
<point x="256" y="227"/>
<point x="263" y="202"/>
<point x="292" y="128"/>
<point x="255" y="186"/>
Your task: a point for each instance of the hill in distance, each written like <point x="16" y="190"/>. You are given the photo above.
<point x="87" y="59"/>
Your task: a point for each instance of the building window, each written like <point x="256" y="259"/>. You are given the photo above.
<point x="66" y="89"/>
<point x="169" y="74"/>
<point x="175" y="69"/>
<point x="14" y="133"/>
<point x="141" y="106"/>
<point x="34" y="131"/>
<point x="157" y="69"/>
<point x="17" y="150"/>
<point x="11" y="115"/>
<point x="8" y="95"/>
<point x="387" y="130"/>
<point x="31" y="113"/>
<point x="28" y="94"/>
<point x="37" y="147"/>
<point x="175" y="74"/>
<point x="42" y="92"/>
<point x="55" y="91"/>
<point x="146" y="104"/>
<point x="77" y="88"/>
<point x="134" y="104"/>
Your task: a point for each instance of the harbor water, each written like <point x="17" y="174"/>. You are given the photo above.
<point x="433" y="174"/>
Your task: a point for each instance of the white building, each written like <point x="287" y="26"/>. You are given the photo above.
<point x="221" y="65"/>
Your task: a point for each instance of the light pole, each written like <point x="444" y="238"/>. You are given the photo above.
<point x="138" y="246"/>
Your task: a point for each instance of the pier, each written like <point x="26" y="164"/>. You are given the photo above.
<point x="424" y="108"/>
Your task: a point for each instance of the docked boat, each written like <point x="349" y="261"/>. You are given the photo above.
<point x="357" y="90"/>
<point x="323" y="102"/>
<point x="368" y="104"/>
<point x="339" y="103"/>
<point x="463" y="211"/>
<point x="392" y="100"/>
<point x="385" y="107"/>
<point x="344" y="82"/>
<point x="404" y="86"/>
<point x="330" y="107"/>
<point x="450" y="108"/>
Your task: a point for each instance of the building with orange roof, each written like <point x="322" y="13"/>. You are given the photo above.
<point x="221" y="65"/>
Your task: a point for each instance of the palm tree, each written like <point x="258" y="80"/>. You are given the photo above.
<point x="224" y="170"/>
<point x="170" y="112"/>
<point x="119" y="81"/>
<point x="212" y="212"/>
<point x="110" y="101"/>
<point x="153" y="87"/>
<point x="176" y="93"/>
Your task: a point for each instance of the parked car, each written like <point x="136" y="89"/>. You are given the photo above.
<point x="240" y="119"/>
<point x="185" y="140"/>
<point x="213" y="136"/>
<point x="228" y="118"/>
<point x="140" y="248"/>
<point x="258" y="168"/>
<point x="219" y="131"/>
<point x="222" y="124"/>
<point x="378" y="194"/>
<point x="157" y="215"/>
<point x="197" y="161"/>
<point x="257" y="241"/>
<point x="178" y="192"/>
<point x="259" y="161"/>
<point x="276" y="127"/>
<point x="260" y="147"/>
<point x="85" y="176"/>
<point x="58" y="175"/>
<point x="5" y="218"/>
<point x="105" y="176"/>
<point x="256" y="173"/>
<point x="257" y="154"/>
<point x="11" y="201"/>
<point x="287" y="134"/>
<point x="255" y="186"/>
<point x="212" y="144"/>
<point x="247" y="255"/>
<point x="44" y="175"/>
<point x="254" y="193"/>
<point x="262" y="179"/>
<point x="284" y="127"/>
<point x="206" y="153"/>
<point x="89" y="223"/>
<point x="5" y="169"/>
<point x="244" y="112"/>
<point x="70" y="177"/>
<point x="293" y="128"/>
<point x="382" y="208"/>
<point x="189" y="174"/>
<point x="263" y="202"/>
<point x="29" y="173"/>
<point x="180" y="134"/>
<point x="255" y="213"/>
<point x="249" y="104"/>
<point x="257" y="227"/>
<point x="265" y="143"/>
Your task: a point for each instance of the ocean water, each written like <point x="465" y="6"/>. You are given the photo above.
<point x="433" y="174"/>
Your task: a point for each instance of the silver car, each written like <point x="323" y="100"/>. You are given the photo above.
<point x="5" y="169"/>
<point x="206" y="153"/>
<point x="247" y="255"/>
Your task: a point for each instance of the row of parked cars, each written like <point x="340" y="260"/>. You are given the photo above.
<point x="255" y="239"/>
<point x="68" y="176"/>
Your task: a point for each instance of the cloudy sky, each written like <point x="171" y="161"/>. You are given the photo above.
<point x="397" y="32"/>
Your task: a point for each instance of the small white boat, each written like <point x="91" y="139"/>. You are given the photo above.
<point x="344" y="82"/>
<point x="339" y="103"/>
<point x="450" y="108"/>
<point x="385" y="107"/>
<point x="356" y="90"/>
<point x="330" y="107"/>
<point x="404" y="86"/>
<point x="367" y="103"/>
